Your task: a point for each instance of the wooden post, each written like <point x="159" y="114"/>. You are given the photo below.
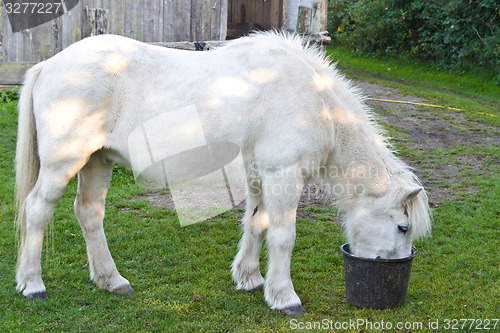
<point x="97" y="21"/>
<point x="304" y="21"/>
<point x="1" y="34"/>
<point x="304" y="18"/>
<point x="291" y="9"/>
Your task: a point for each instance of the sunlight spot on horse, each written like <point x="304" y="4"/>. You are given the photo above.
<point x="78" y="78"/>
<point x="380" y="184"/>
<point x="324" y="114"/>
<point x="59" y="115"/>
<point x="379" y="141"/>
<point x="322" y="82"/>
<point x="261" y="223"/>
<point x="232" y="86"/>
<point x="60" y="119"/>
<point x="345" y="118"/>
<point x="72" y="149"/>
<point x="115" y="64"/>
<point x="262" y="75"/>
<point x="228" y="87"/>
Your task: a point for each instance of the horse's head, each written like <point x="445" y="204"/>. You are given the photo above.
<point x="383" y="225"/>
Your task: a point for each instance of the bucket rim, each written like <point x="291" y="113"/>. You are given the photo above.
<point x="346" y="247"/>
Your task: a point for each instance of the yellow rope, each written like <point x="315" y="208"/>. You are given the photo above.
<point x="414" y="103"/>
<point x="424" y="104"/>
<point x="487" y="114"/>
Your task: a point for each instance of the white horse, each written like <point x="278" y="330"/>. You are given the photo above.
<point x="292" y="114"/>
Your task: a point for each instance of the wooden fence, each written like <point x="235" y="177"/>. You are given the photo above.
<point x="144" y="20"/>
<point x="153" y="21"/>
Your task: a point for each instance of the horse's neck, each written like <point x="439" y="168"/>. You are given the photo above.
<point x="361" y="158"/>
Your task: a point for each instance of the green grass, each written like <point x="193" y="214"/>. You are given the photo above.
<point x="472" y="84"/>
<point x="182" y="275"/>
<point x="477" y="98"/>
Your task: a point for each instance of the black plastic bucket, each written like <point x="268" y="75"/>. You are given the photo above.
<point x="376" y="283"/>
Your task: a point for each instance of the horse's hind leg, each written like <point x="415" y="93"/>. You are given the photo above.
<point x="39" y="208"/>
<point x="93" y="184"/>
<point x="282" y="192"/>
<point x="245" y="268"/>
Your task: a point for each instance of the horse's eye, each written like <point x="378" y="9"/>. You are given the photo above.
<point x="403" y="228"/>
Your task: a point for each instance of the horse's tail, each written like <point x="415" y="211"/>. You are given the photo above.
<point x="27" y="159"/>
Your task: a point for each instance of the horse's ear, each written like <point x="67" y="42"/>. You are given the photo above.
<point x="411" y="193"/>
<point x="416" y="206"/>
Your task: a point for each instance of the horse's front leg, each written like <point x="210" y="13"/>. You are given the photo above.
<point x="281" y="195"/>
<point x="246" y="268"/>
<point x="93" y="184"/>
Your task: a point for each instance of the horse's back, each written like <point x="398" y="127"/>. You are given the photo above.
<point x="260" y="91"/>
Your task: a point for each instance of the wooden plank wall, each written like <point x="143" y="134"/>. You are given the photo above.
<point x="145" y="20"/>
<point x="267" y="13"/>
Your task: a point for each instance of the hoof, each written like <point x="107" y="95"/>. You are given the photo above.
<point x="294" y="311"/>
<point x="42" y="295"/>
<point x="123" y="290"/>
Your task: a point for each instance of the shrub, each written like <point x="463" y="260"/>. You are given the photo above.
<point x="7" y="96"/>
<point x="454" y="35"/>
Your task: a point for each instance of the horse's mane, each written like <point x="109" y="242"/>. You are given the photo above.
<point x="419" y="213"/>
<point x="345" y="92"/>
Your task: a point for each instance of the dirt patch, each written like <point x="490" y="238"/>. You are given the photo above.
<point x="423" y="129"/>
<point x="310" y="197"/>
<point x="427" y="128"/>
